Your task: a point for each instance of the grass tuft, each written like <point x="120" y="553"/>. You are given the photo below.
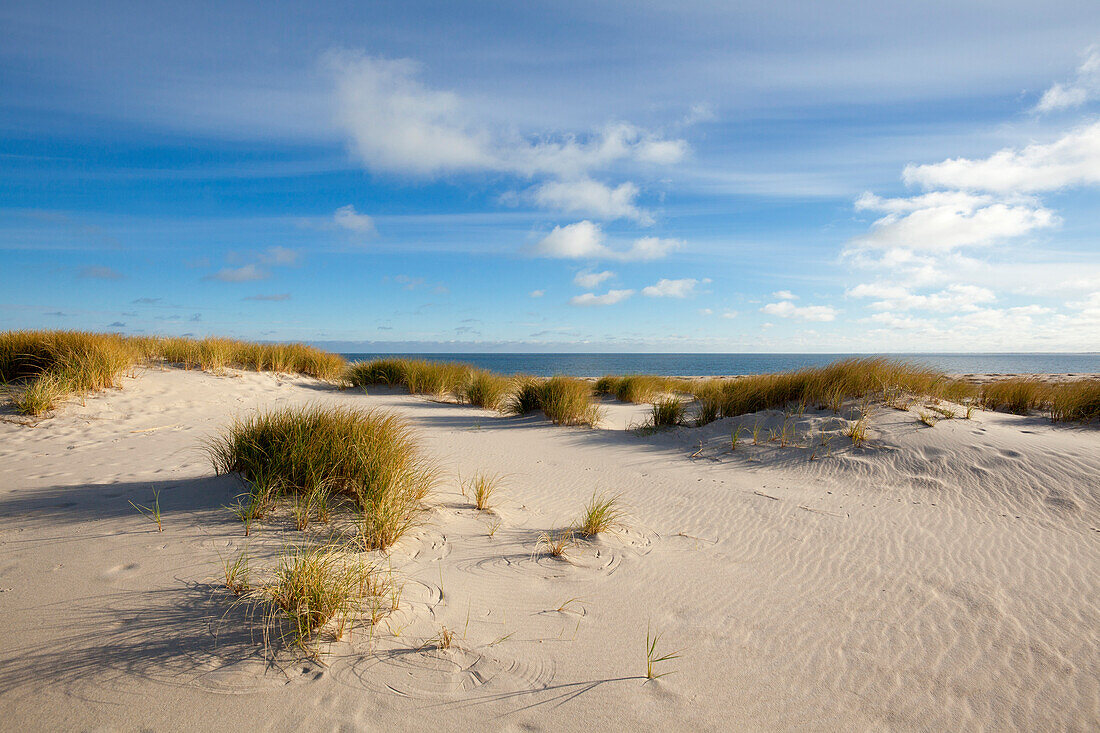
<point x="152" y="512"/>
<point x="653" y="657"/>
<point x="564" y="400"/>
<point x="667" y="412"/>
<point x="555" y="542"/>
<point x="309" y="454"/>
<point x="482" y="487"/>
<point x="601" y="514"/>
<point x="314" y="590"/>
<point x="487" y="390"/>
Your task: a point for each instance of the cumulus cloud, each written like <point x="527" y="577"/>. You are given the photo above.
<point x="588" y="279"/>
<point x="238" y="274"/>
<point x="592" y="198"/>
<point x="784" y="295"/>
<point x="99" y="272"/>
<point x="943" y="223"/>
<point x="609" y="298"/>
<point x="787" y="309"/>
<point x="346" y="217"/>
<point x="730" y="314"/>
<point x="585" y="240"/>
<point x="537" y="293"/>
<point x="1084" y="87"/>
<point x="665" y="288"/>
<point x="1071" y="160"/>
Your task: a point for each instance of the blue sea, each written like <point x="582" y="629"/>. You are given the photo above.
<point x="594" y="365"/>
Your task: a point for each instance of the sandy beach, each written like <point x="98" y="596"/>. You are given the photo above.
<point x="935" y="578"/>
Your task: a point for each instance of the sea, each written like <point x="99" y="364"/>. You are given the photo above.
<point x="701" y="365"/>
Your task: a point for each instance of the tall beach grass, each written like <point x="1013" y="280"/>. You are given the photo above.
<point x="564" y="400"/>
<point x="308" y="455"/>
<point x="44" y="368"/>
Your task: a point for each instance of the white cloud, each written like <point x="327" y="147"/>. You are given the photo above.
<point x="346" y="217"/>
<point x="1071" y="160"/>
<point x="238" y="274"/>
<point x="283" y="256"/>
<point x="943" y="223"/>
<point x="591" y="280"/>
<point x="706" y="312"/>
<point x="575" y="241"/>
<point x="1084" y="87"/>
<point x="592" y="198"/>
<point x="585" y="240"/>
<point x="537" y="293"/>
<point x="665" y="288"/>
<point x="609" y="298"/>
<point x="784" y="295"/>
<point x="650" y="248"/>
<point x="787" y="309"/>
<point x="698" y="113"/>
<point x="399" y="125"/>
<point x="730" y="314"/>
<point x="955" y="298"/>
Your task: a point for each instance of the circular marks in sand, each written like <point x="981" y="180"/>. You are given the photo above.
<point x="429" y="672"/>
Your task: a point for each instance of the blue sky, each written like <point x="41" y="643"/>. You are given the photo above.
<point x="556" y="176"/>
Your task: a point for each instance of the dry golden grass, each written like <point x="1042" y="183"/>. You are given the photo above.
<point x="555" y="542"/>
<point x="488" y="390"/>
<point x="638" y="388"/>
<point x="564" y="400"/>
<point x="418" y="376"/>
<point x="307" y="455"/>
<point x="667" y="412"/>
<point x="481" y="489"/>
<point x="601" y="514"/>
<point x="316" y="591"/>
<point x="47" y="367"/>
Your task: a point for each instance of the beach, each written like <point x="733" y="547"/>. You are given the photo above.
<point x="933" y="578"/>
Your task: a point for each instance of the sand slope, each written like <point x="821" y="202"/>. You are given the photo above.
<point x="939" y="578"/>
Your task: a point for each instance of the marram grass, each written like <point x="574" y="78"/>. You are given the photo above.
<point x="44" y="368"/>
<point x="316" y="592"/>
<point x="310" y="456"/>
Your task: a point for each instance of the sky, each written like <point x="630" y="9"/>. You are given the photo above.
<point x="556" y="176"/>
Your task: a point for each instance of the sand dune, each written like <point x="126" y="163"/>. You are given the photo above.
<point x="936" y="578"/>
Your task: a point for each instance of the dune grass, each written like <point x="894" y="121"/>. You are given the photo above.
<point x="653" y="657"/>
<point x="418" y="376"/>
<point x="601" y="514"/>
<point x="555" y="542"/>
<point x="637" y="388"/>
<point x="481" y="489"/>
<point x="315" y="591"/>
<point x="666" y="413"/>
<point x="1075" y="401"/>
<point x="564" y="400"/>
<point x="306" y="455"/>
<point x="44" y="368"/>
<point x="488" y="390"/>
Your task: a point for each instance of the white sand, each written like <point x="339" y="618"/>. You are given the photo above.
<point x="941" y="578"/>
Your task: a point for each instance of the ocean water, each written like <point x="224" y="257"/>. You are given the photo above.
<point x="594" y="365"/>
